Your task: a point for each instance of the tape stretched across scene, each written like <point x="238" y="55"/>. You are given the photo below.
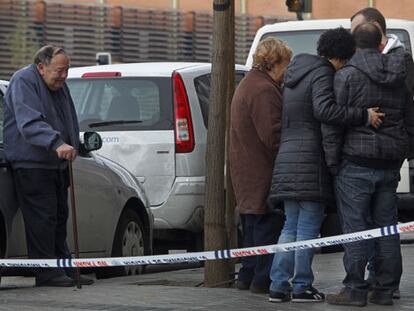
<point x="209" y="255"/>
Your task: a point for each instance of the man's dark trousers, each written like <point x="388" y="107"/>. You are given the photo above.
<point x="259" y="230"/>
<point x="363" y="193"/>
<point x="43" y="195"/>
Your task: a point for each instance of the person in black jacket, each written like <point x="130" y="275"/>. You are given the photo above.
<point x="367" y="162"/>
<point x="300" y="176"/>
<point x="389" y="44"/>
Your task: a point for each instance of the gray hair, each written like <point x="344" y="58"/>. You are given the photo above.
<point x="45" y="54"/>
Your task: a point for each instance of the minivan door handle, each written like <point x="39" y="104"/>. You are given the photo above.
<point x="163" y="151"/>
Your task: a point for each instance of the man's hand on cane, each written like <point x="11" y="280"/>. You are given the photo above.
<point x="66" y="152"/>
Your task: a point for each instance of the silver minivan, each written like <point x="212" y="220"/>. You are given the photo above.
<point x="153" y="120"/>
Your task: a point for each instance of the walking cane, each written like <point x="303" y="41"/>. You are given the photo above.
<point x="74" y="222"/>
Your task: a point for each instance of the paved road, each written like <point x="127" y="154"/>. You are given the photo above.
<point x="176" y="290"/>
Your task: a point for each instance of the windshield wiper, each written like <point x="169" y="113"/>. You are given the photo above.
<point x="114" y="122"/>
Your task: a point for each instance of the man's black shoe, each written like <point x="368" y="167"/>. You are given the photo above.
<point x="259" y="289"/>
<point x="279" y="297"/>
<point x="84" y="280"/>
<point x="380" y="299"/>
<point x="241" y="285"/>
<point x="310" y="295"/>
<point x="345" y="298"/>
<point x="396" y="294"/>
<point x="59" y="281"/>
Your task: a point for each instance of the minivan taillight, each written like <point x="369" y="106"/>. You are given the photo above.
<point x="184" y="136"/>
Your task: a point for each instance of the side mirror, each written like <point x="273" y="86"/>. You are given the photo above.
<point x="91" y="141"/>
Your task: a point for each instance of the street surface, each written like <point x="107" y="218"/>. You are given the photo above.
<point x="181" y="290"/>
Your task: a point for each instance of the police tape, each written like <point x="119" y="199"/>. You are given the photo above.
<point x="209" y="255"/>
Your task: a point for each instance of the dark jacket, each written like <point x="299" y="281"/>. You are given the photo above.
<point x="254" y="139"/>
<point x="37" y="121"/>
<point x="300" y="172"/>
<point x="372" y="78"/>
<point x="394" y="45"/>
<point x="409" y="81"/>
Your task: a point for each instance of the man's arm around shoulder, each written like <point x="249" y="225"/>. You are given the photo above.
<point x="332" y="136"/>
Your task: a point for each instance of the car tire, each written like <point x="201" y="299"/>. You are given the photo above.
<point x="129" y="241"/>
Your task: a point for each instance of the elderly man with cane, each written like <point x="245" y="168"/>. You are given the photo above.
<point x="41" y="136"/>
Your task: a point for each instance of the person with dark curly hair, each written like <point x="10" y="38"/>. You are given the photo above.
<point x="301" y="179"/>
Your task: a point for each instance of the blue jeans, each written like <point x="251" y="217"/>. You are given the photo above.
<point x="371" y="263"/>
<point x="303" y="222"/>
<point x="367" y="197"/>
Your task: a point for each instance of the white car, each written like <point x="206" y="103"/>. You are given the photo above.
<point x="153" y="120"/>
<point x="113" y="216"/>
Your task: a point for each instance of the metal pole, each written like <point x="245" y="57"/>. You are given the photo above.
<point x="175" y="4"/>
<point x="371" y="3"/>
<point x="74" y="222"/>
<point x="243" y="6"/>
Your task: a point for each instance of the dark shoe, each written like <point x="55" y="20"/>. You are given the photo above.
<point x="371" y="283"/>
<point x="84" y="280"/>
<point x="344" y="298"/>
<point x="279" y="297"/>
<point x="242" y="285"/>
<point x="396" y="294"/>
<point x="311" y="295"/>
<point x="259" y="289"/>
<point x="380" y="299"/>
<point x="59" y="281"/>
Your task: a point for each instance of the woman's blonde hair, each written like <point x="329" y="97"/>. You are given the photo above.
<point x="269" y="52"/>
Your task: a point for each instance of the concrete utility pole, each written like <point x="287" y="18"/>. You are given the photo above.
<point x="218" y="273"/>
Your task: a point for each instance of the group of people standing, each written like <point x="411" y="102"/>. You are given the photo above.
<point x="317" y="131"/>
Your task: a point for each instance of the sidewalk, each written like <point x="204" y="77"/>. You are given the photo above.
<point x="176" y="290"/>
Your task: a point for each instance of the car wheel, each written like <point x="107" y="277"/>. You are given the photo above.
<point x="128" y="242"/>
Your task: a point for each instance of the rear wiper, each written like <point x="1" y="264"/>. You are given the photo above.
<point x="115" y="122"/>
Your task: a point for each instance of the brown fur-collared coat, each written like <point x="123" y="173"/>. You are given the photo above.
<point x="255" y="128"/>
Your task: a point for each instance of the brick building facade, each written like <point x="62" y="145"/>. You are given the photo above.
<point x="320" y="8"/>
<point x="148" y="30"/>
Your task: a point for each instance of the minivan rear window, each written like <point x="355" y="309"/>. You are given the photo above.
<point x="202" y="85"/>
<point x="123" y="103"/>
<point x="305" y="41"/>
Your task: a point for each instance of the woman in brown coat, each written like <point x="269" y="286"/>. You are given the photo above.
<point x="255" y="128"/>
